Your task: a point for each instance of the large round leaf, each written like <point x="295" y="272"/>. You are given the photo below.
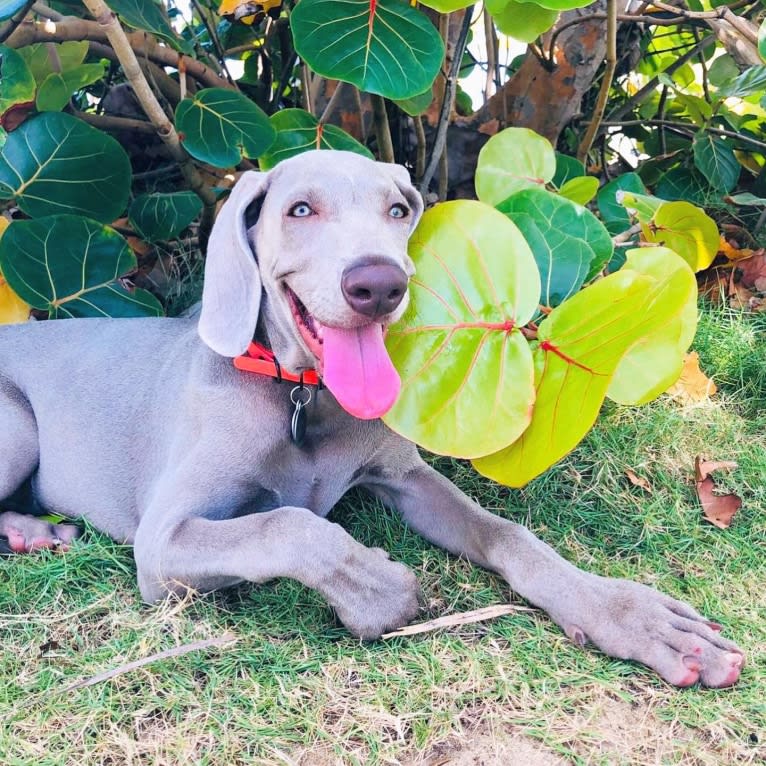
<point x="46" y="58"/>
<point x="70" y="266"/>
<point x="57" y="88"/>
<point x="447" y="6"/>
<point x="150" y="16"/>
<point x="716" y="161"/>
<point x="512" y="160"/>
<point x="222" y="126"/>
<point x="467" y="382"/>
<point x="16" y="79"/>
<point x="654" y="362"/>
<point x="381" y="46"/>
<point x="569" y="243"/>
<point x="55" y="163"/>
<point x="524" y="21"/>
<point x="686" y="230"/>
<point x="580" y="346"/>
<point x="160" y="217"/>
<point x="299" y="131"/>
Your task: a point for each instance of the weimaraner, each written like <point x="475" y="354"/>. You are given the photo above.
<point x="146" y="428"/>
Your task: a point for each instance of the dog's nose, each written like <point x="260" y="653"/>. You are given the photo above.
<point x="374" y="289"/>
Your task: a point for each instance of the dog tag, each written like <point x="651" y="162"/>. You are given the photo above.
<point x="300" y="396"/>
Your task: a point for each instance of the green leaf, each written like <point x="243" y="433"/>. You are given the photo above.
<point x="560" y="5"/>
<point x="762" y="40"/>
<point x="751" y="81"/>
<point x="381" y="46"/>
<point x="716" y="161"/>
<point x="10" y="8"/>
<point x="299" y="131"/>
<point x="654" y="363"/>
<point x="580" y="346"/>
<point x="524" y="21"/>
<point x="160" y="217"/>
<point x="46" y="58"/>
<point x="746" y="198"/>
<point x="580" y="190"/>
<point x="567" y="168"/>
<point x="222" y="126"/>
<point x="447" y="6"/>
<point x="613" y="212"/>
<point x="56" y="89"/>
<point x="18" y="84"/>
<point x="642" y="206"/>
<point x="569" y="244"/>
<point x="722" y="71"/>
<point x="70" y="266"/>
<point x="417" y="104"/>
<point x="149" y="16"/>
<point x="686" y="230"/>
<point x="697" y="108"/>
<point x="467" y="383"/>
<point x="682" y="183"/>
<point x="512" y="160"/>
<point x="55" y="163"/>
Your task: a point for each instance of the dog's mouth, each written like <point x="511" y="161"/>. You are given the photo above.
<point x="353" y="362"/>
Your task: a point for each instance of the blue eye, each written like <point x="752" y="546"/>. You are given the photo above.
<point x="398" y="211"/>
<point x="300" y="210"/>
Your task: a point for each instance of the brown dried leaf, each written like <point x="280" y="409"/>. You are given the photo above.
<point x="638" y="481"/>
<point x="719" y="510"/>
<point x="693" y="386"/>
<point x="731" y="251"/>
<point x="703" y="468"/>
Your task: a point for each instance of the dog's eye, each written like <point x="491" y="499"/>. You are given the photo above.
<point x="399" y="211"/>
<point x="300" y="210"/>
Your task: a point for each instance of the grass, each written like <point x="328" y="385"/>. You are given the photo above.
<point x="295" y="688"/>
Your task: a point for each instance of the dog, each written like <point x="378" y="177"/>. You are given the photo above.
<point x="218" y="475"/>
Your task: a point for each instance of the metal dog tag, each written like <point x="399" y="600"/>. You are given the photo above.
<point x="300" y="396"/>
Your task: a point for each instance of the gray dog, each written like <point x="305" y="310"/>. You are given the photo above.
<point x="218" y="475"/>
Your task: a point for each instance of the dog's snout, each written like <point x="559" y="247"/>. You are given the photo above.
<point x="374" y="289"/>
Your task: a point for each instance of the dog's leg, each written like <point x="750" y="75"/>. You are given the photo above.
<point x="18" y="459"/>
<point x="622" y="618"/>
<point x="369" y="593"/>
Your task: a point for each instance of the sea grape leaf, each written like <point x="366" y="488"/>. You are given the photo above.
<point x="222" y="126"/>
<point x="70" y="266"/>
<point x="567" y="168"/>
<point x="45" y="58"/>
<point x="385" y="47"/>
<point x="512" y="160"/>
<point x="18" y="84"/>
<point x="57" y="88"/>
<point x="56" y="163"/>
<point x="655" y="362"/>
<point x="158" y="217"/>
<point x="716" y="161"/>
<point x="467" y="378"/>
<point x="580" y="345"/>
<point x="569" y="243"/>
<point x="298" y="131"/>
<point x="686" y="230"/>
<point x="580" y="190"/>
<point x="149" y="16"/>
<point x="524" y="21"/>
<point x="613" y="213"/>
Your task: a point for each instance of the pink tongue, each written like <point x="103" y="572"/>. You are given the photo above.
<point x="358" y="371"/>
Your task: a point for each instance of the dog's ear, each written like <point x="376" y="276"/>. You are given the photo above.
<point x="231" y="294"/>
<point x="411" y="194"/>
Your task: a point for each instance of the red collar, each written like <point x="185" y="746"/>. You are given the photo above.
<point x="262" y="361"/>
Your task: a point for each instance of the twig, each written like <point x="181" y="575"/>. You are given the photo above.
<point x="7" y="30"/>
<point x="153" y="109"/>
<point x="440" y="141"/>
<point x="110" y="122"/>
<point x="461" y="618"/>
<point x="332" y="103"/>
<point x="382" y="128"/>
<point x="689" y="129"/>
<point x="176" y="651"/>
<point x="420" y="156"/>
<point x="214" y="39"/>
<point x="606" y="83"/>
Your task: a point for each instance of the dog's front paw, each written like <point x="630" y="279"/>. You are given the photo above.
<point x="632" y="621"/>
<point x="372" y="594"/>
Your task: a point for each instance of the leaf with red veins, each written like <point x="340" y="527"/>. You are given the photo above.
<point x="580" y="346"/>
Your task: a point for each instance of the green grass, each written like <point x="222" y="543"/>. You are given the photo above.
<point x="297" y="689"/>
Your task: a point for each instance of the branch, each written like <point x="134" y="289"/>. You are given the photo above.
<point x="152" y="107"/>
<point x="440" y="142"/>
<point x="606" y="82"/>
<point x="382" y="128"/>
<point x="31" y="32"/>
<point x="689" y="129"/>
<point x="7" y="30"/>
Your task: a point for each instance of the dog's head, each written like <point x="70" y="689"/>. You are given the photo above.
<point x="317" y="247"/>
